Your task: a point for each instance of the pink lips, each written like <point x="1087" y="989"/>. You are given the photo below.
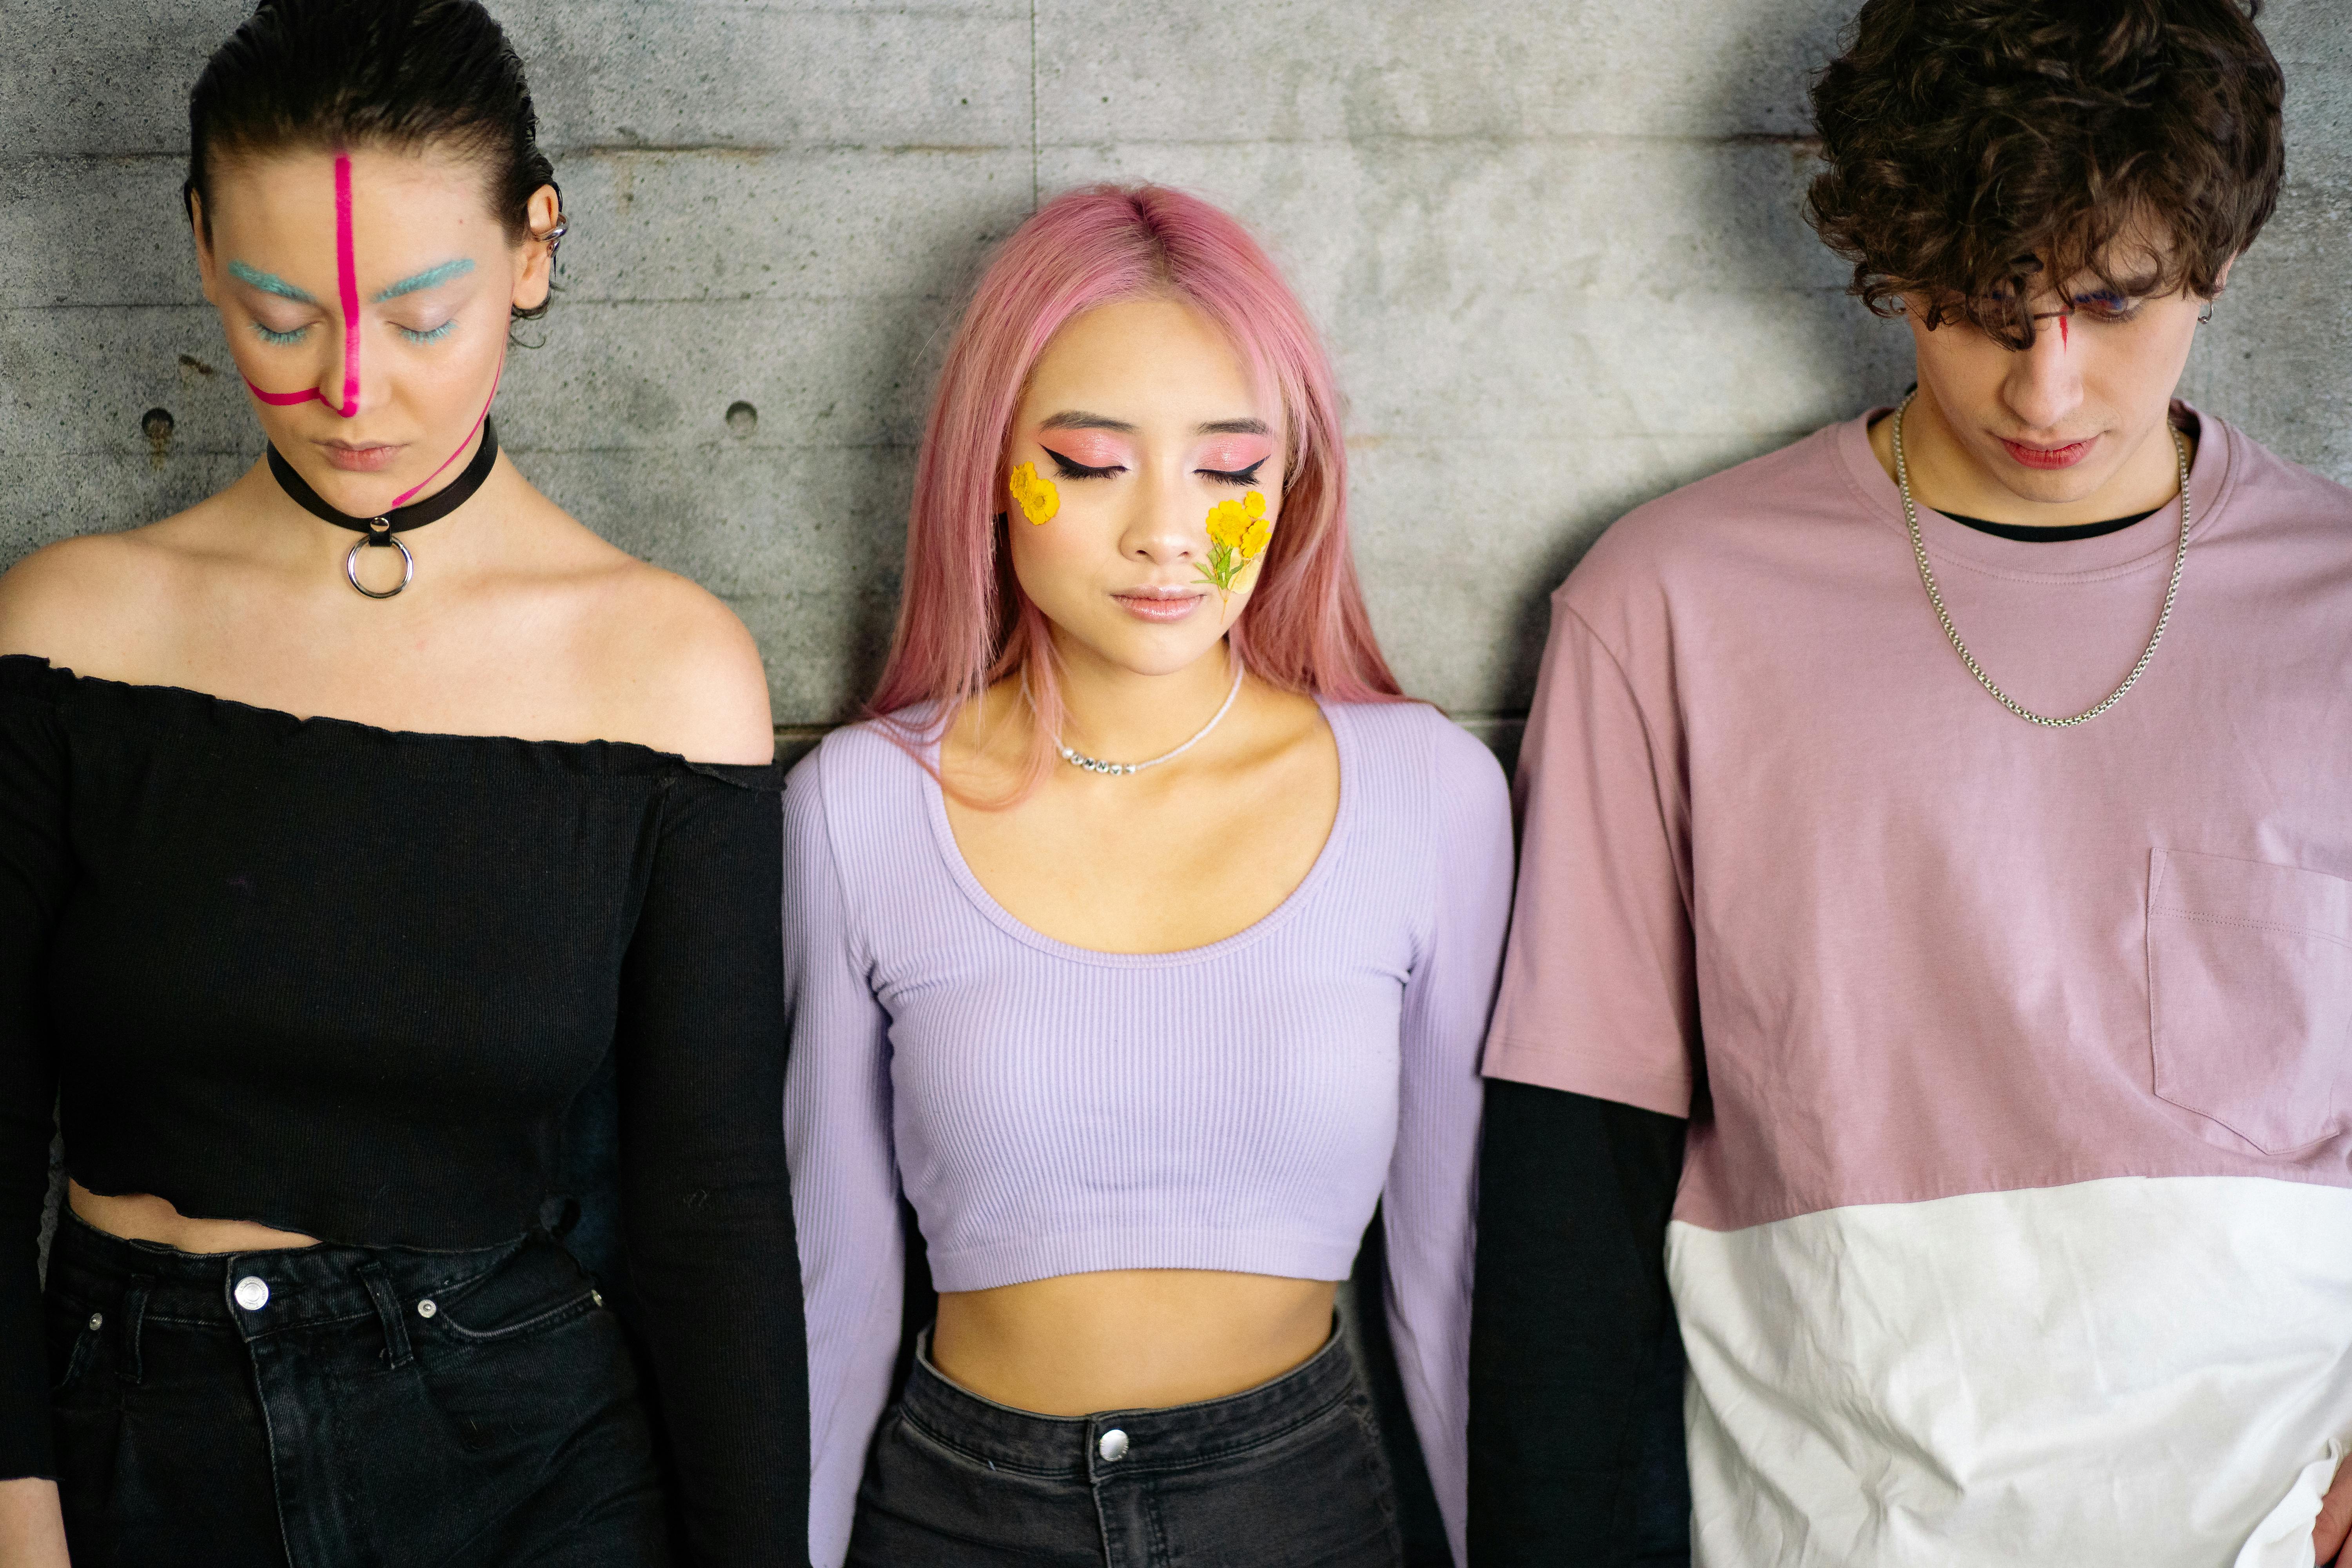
<point x="358" y="460"/>
<point x="1160" y="603"/>
<point x="2064" y="456"/>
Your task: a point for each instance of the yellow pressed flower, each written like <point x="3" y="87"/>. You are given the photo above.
<point x="1227" y="520"/>
<point x="1038" y="499"/>
<point x="1238" y="532"/>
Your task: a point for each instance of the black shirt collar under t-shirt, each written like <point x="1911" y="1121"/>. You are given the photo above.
<point x="2032" y="535"/>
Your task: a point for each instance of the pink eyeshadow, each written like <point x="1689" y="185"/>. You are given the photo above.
<point x="1231" y="454"/>
<point x="1088" y="448"/>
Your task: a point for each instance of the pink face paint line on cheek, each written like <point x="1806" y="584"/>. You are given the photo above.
<point x="283" y="399"/>
<point x="402" y="498"/>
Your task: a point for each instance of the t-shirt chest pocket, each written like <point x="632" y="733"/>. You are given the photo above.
<point x="2250" y="995"/>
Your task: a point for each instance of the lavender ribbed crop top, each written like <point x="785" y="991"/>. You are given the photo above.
<point x="1048" y="1110"/>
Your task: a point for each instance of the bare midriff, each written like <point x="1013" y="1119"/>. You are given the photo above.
<point x="139" y="1216"/>
<point x="1136" y="1339"/>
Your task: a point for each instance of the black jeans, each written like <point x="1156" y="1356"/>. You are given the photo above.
<point x="344" y="1408"/>
<point x="1287" y="1475"/>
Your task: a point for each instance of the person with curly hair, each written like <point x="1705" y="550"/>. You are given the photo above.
<point x="1931" y="974"/>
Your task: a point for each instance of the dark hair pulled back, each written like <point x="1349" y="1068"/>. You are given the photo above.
<point x="1980" y="149"/>
<point x="302" y="74"/>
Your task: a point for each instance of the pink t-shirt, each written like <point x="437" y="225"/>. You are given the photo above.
<point x="2017" y="1216"/>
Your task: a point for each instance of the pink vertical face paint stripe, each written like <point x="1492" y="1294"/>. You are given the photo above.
<point x="403" y="497"/>
<point x="346" y="283"/>
<point x="347" y="286"/>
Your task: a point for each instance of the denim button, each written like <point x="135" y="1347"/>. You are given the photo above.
<point x="1113" y="1446"/>
<point x="252" y="1293"/>
<point x="97" y="1321"/>
<point x="427" y="1308"/>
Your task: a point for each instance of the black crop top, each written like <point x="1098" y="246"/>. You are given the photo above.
<point x="346" y="981"/>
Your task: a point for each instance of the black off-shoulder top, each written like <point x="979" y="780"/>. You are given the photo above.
<point x="346" y="981"/>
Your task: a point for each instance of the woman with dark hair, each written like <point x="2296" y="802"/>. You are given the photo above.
<point x="348" y="821"/>
<point x="1144" y="942"/>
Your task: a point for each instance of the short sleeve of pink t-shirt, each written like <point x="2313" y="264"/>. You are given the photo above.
<point x="1598" y="992"/>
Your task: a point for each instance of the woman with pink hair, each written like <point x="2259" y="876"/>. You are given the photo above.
<point x="1142" y="942"/>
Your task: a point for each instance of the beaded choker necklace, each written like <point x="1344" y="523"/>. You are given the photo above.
<point x="1077" y="759"/>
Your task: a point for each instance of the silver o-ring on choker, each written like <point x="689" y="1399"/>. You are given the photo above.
<point x="379" y="533"/>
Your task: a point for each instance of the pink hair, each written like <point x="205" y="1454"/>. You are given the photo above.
<point x="963" y="622"/>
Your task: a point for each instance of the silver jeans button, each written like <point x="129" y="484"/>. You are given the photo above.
<point x="427" y="1308"/>
<point x="1113" y="1446"/>
<point x="252" y="1293"/>
<point x="97" y="1321"/>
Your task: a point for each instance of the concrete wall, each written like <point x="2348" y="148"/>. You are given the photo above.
<point x="1555" y="245"/>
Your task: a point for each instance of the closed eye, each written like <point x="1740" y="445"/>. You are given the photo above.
<point x="1065" y="469"/>
<point x="1234" y="476"/>
<point x="267" y="336"/>
<point x="430" y="335"/>
<point x="2105" y="306"/>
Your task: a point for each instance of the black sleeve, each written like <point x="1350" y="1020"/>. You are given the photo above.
<point x="1566" y="1324"/>
<point x="35" y="867"/>
<point x="705" y="1197"/>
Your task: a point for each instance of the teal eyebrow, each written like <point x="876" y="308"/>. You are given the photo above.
<point x="426" y="279"/>
<point x="267" y="282"/>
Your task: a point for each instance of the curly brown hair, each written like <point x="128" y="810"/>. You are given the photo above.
<point x="1975" y="146"/>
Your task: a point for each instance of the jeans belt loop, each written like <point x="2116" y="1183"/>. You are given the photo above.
<point x="134" y="1316"/>
<point x="387" y="1309"/>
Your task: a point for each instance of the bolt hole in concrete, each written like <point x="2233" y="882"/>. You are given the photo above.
<point x="157" y="423"/>
<point x="742" y="418"/>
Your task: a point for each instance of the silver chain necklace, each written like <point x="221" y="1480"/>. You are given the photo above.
<point x="1097" y="765"/>
<point x="1936" y="597"/>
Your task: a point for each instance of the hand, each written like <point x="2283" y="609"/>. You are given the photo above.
<point x="2334" y="1521"/>
<point x="33" y="1531"/>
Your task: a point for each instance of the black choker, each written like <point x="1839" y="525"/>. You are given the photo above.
<point x="379" y="531"/>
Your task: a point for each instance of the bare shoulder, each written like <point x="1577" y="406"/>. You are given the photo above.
<point x="681" y="670"/>
<point x="1296" y="715"/>
<point x="1287" y="732"/>
<point x="81" y="602"/>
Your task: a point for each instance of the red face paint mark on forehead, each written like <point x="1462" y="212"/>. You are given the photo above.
<point x="2063" y="337"/>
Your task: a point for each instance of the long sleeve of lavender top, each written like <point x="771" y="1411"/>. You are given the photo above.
<point x="1051" y="1109"/>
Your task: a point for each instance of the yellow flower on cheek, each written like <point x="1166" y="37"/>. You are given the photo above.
<point x="1227" y="520"/>
<point x="1238" y="533"/>
<point x="1038" y="499"/>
